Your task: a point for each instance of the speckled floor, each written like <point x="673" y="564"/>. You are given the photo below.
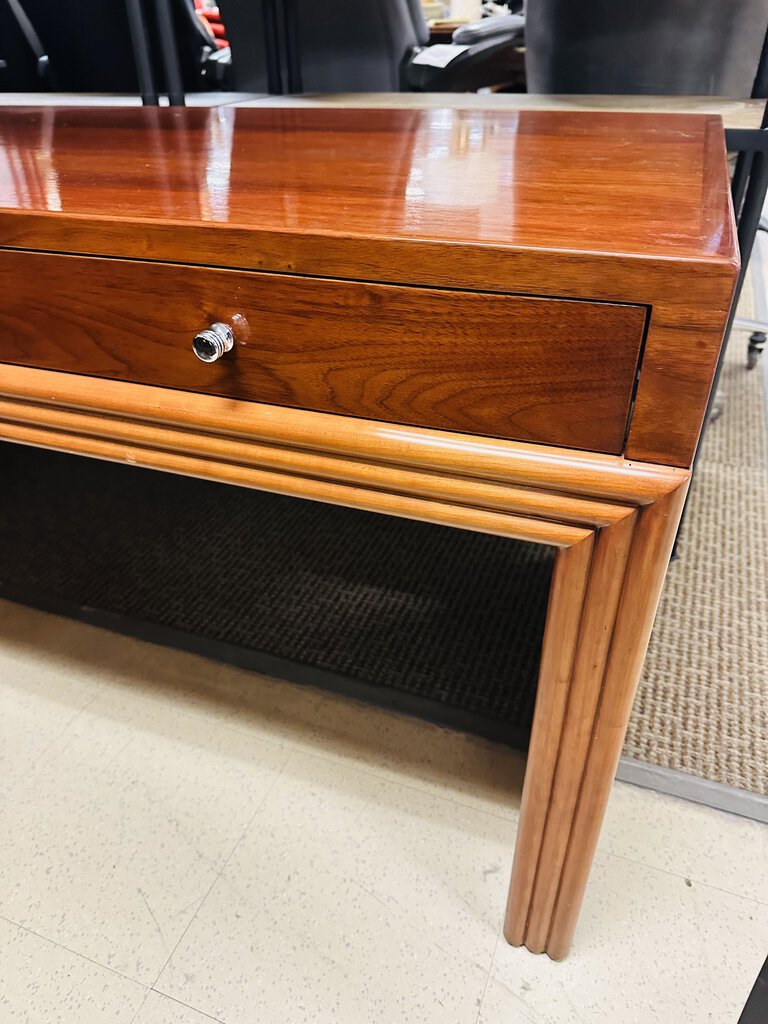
<point x="183" y="841"/>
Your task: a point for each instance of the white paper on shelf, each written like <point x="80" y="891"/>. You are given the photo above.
<point x="440" y="55"/>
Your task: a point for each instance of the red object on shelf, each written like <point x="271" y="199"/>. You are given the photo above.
<point x="212" y="15"/>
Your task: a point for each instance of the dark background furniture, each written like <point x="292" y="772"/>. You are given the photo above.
<point x="679" y="47"/>
<point x="94" y="49"/>
<point x="353" y="46"/>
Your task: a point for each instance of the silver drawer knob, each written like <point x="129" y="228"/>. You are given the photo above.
<point x="211" y="344"/>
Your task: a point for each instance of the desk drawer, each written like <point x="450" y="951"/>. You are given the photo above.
<point x="534" y="369"/>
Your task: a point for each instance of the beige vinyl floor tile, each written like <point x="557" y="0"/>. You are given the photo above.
<point x="700" y="843"/>
<point x="33" y="715"/>
<point x="109" y="844"/>
<point x="43" y="983"/>
<point x="650" y="949"/>
<point x="186" y="841"/>
<point x="287" y="939"/>
<point x="160" y="1009"/>
<point x="438" y="864"/>
<point x="464" y="768"/>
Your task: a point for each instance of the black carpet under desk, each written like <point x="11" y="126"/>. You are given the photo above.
<point x="449" y="619"/>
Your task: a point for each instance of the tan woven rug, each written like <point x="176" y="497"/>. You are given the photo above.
<point x="702" y="706"/>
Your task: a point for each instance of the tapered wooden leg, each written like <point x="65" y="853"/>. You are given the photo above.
<point x="622" y="586"/>
<point x="651" y="548"/>
<point x="566" y="598"/>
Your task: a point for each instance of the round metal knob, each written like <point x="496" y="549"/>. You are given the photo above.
<point x="211" y="344"/>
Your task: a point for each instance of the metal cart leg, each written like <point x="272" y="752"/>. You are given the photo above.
<point x="141" y="54"/>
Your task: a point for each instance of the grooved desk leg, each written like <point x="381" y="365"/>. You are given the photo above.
<point x="625" y="577"/>
<point x="561" y="634"/>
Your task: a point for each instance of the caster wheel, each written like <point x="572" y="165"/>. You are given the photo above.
<point x="718" y="405"/>
<point x="756" y="342"/>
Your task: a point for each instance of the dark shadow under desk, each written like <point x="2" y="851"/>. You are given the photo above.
<point x="432" y="621"/>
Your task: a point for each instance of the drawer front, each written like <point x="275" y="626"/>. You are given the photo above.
<point x="552" y="371"/>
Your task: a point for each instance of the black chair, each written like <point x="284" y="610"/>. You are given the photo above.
<point x="292" y="46"/>
<point x="644" y="47"/>
<point x="89" y="48"/>
<point x="24" y="64"/>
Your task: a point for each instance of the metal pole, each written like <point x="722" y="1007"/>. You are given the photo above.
<point x="760" y="86"/>
<point x="272" y="50"/>
<point x="747" y="228"/>
<point x="749" y="222"/>
<point x="744" y="159"/>
<point x="740" y="179"/>
<point x="293" y="60"/>
<point x="141" y="55"/>
<point x="747" y="233"/>
<point x="170" y="54"/>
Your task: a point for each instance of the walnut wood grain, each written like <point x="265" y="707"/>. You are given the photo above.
<point x="602" y="182"/>
<point x="544" y="370"/>
<point x="629" y="208"/>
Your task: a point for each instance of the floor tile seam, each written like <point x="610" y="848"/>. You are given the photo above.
<point x="140" y="1007"/>
<point x="180" y="1002"/>
<point x="488" y="975"/>
<point x="48" y="747"/>
<point x="73" y="952"/>
<point x="219" y="873"/>
<point x="686" y="877"/>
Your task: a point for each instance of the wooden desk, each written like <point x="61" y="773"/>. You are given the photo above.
<point x="505" y="323"/>
<point x="442" y="31"/>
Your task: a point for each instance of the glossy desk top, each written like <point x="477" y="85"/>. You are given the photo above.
<point x="633" y="184"/>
